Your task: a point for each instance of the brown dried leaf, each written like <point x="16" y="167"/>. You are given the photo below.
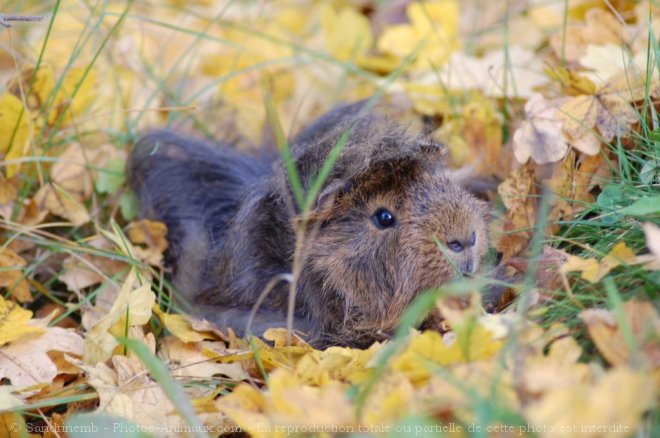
<point x="11" y="275"/>
<point x="608" y="110"/>
<point x="58" y="202"/>
<point x="517" y="193"/>
<point x="87" y="270"/>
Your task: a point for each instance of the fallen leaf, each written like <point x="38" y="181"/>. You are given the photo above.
<point x="287" y="407"/>
<point x="608" y="110"/>
<point x="57" y="201"/>
<point x="152" y="235"/>
<point x="129" y="392"/>
<point x="74" y="171"/>
<point x="547" y="266"/>
<point x="131" y="308"/>
<point x="430" y="35"/>
<point x="335" y="363"/>
<point x="540" y="135"/>
<point x="518" y="195"/>
<point x="27" y="364"/>
<point x="11" y="275"/>
<point x="14" y="132"/>
<point x="609" y="336"/>
<point x="186" y="360"/>
<point x="608" y="407"/>
<point x="592" y="270"/>
<point x="8" y="400"/>
<point x="559" y="368"/>
<point x="15" y="322"/>
<point x="429" y="349"/>
<point x="346" y="32"/>
<point x="599" y="27"/>
<point x="430" y="91"/>
<point x="179" y="326"/>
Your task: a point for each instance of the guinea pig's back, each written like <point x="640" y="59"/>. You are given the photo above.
<point x="195" y="188"/>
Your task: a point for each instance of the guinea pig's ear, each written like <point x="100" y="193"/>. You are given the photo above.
<point x="329" y="193"/>
<point x="433" y="152"/>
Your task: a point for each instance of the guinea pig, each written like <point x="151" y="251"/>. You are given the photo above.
<point x="368" y="246"/>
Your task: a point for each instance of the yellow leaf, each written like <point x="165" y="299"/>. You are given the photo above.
<point x="152" y="234"/>
<point x="132" y="303"/>
<point x="572" y="83"/>
<point x="27" y="363"/>
<point x="246" y="406"/>
<point x="14" y="322"/>
<point x="288" y="406"/>
<point x="558" y="369"/>
<point x="617" y="400"/>
<point x="391" y="400"/>
<point x="178" y="325"/>
<point x="593" y="270"/>
<point x="588" y="267"/>
<point x="620" y="254"/>
<point x="7" y="191"/>
<point x="14" y="132"/>
<point x="430" y="349"/>
<point x="335" y="363"/>
<point x="609" y="337"/>
<point x="482" y="132"/>
<point x="65" y="101"/>
<point x="347" y="32"/>
<point x="431" y="33"/>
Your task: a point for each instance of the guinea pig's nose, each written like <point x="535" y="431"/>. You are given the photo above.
<point x="467" y="266"/>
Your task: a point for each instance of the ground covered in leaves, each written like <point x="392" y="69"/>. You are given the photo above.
<point x="554" y="103"/>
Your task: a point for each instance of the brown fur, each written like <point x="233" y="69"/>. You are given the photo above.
<point x="233" y="223"/>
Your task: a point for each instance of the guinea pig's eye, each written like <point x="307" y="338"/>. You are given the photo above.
<point x="455" y="246"/>
<point x="473" y="239"/>
<point x="382" y="218"/>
